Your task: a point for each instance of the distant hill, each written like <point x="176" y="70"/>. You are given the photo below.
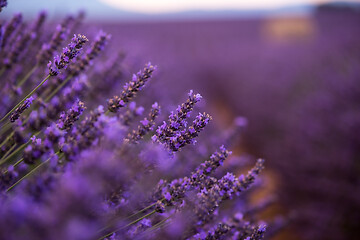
<point x="338" y="6"/>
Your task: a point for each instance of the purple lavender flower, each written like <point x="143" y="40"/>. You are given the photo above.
<point x="18" y="111"/>
<point x="53" y="135"/>
<point x="20" y="134"/>
<point x="34" y="150"/>
<point x="18" y="49"/>
<point x="97" y="46"/>
<point x="86" y="134"/>
<point x="147" y="124"/>
<point x="70" y="52"/>
<point x="7" y="177"/>
<point x="68" y="118"/>
<point x="10" y="28"/>
<point x="39" y="22"/>
<point x="47" y="49"/>
<point x="160" y="206"/>
<point x="198" y="178"/>
<point x="234" y="227"/>
<point x="131" y="88"/>
<point x="175" y="190"/>
<point x="224" y="189"/>
<point x="49" y="111"/>
<point x="132" y="112"/>
<point x="172" y="133"/>
<point x="246" y="181"/>
<point x="258" y="233"/>
<point x="188" y="136"/>
<point x="139" y="227"/>
<point x="219" y="232"/>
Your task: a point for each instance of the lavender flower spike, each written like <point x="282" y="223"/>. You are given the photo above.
<point x="146" y="125"/>
<point x="132" y="112"/>
<point x="246" y="181"/>
<point x="225" y="188"/>
<point x="39" y="22"/>
<point x="10" y="28"/>
<point x="17" y="51"/>
<point x="258" y="233"/>
<point x="131" y="88"/>
<point x="67" y="55"/>
<point x="96" y="47"/>
<point x="187" y="136"/>
<point x="34" y="151"/>
<point x="73" y="114"/>
<point x="218" y="232"/>
<point x="206" y="168"/>
<point x="176" y="120"/>
<point x="198" y="179"/>
<point x="47" y="49"/>
<point x="19" y="110"/>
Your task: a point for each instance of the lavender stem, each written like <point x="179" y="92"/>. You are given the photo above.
<point x="17" y="150"/>
<point x="5" y="127"/>
<point x="28" y="174"/>
<point x="133" y="222"/>
<point x="6" y="140"/>
<point x="27" y="96"/>
<point x="53" y="93"/>
<point x="15" y="164"/>
<point x="9" y="151"/>
<point x="27" y="76"/>
<point x="31" y="172"/>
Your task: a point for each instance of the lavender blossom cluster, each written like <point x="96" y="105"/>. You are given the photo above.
<point x="73" y="169"/>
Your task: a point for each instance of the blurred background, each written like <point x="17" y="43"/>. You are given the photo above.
<point x="292" y="68"/>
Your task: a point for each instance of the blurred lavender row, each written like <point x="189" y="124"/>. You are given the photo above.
<point x="295" y="79"/>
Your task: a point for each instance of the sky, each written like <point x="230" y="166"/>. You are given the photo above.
<point x="164" y="6"/>
<point x="134" y="10"/>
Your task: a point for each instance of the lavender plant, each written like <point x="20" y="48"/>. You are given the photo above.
<point x="75" y="172"/>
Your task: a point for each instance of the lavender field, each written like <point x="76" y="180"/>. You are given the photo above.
<point x="159" y="130"/>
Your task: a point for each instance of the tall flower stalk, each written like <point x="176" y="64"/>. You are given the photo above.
<point x="60" y="61"/>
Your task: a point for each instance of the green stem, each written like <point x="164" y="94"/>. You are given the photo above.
<point x="143" y="210"/>
<point x="139" y="219"/>
<point x="8" y="151"/>
<point x="17" y="163"/>
<point x="59" y="87"/>
<point x="29" y="173"/>
<point x="133" y="222"/>
<point x="8" y="126"/>
<point x="14" y="152"/>
<point x="5" y="127"/>
<point x="133" y="215"/>
<point x="6" y="139"/>
<point x="158" y="225"/>
<point x="27" y="76"/>
<point x="17" y="150"/>
<point x="27" y="96"/>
